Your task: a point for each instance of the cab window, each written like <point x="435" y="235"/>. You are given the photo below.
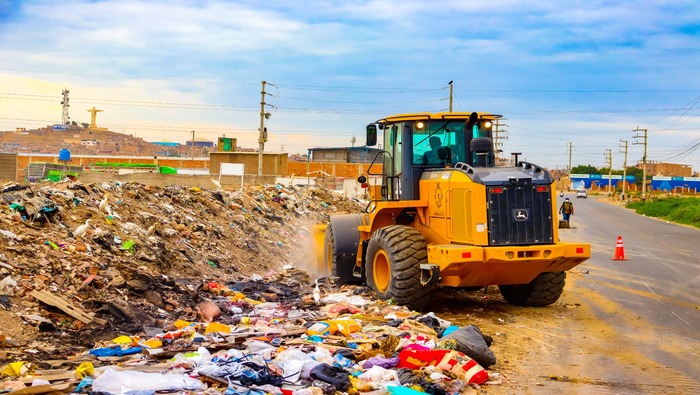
<point x="431" y="136"/>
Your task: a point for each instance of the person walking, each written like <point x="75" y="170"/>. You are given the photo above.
<point x="566" y="209"/>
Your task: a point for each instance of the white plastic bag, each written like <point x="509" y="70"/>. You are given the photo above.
<point x="7" y="286"/>
<point x="292" y="362"/>
<point x="379" y="377"/>
<point x="118" y="382"/>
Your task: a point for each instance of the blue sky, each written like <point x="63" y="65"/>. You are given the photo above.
<point x="559" y="71"/>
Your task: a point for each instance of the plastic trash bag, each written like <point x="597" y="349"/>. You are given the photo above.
<point x="472" y="342"/>
<point x="8" y="286"/>
<point x="379" y="377"/>
<point x="386" y="363"/>
<point x="119" y="382"/>
<point x="336" y="376"/>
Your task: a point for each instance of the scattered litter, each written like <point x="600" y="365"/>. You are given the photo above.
<point x="189" y="290"/>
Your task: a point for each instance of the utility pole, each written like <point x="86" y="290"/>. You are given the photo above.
<point x="571" y="148"/>
<point x="192" y="147"/>
<point x="608" y="157"/>
<point x="451" y="91"/>
<point x="263" y="133"/>
<point x="497" y="137"/>
<point x="624" y="167"/>
<point x="644" y="159"/>
<point x="64" y="103"/>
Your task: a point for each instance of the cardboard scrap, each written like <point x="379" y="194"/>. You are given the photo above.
<point x="42" y="389"/>
<point x="67" y="307"/>
<point x="50" y="377"/>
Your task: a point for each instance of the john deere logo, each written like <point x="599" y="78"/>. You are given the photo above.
<point x="520" y="214"/>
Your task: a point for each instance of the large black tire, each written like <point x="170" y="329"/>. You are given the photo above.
<point x="544" y="290"/>
<point x="331" y="260"/>
<point x="394" y="256"/>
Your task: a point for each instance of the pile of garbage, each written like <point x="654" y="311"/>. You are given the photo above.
<point x="127" y="288"/>
<point x="116" y="256"/>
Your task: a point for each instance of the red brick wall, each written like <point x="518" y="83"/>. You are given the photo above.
<point x="298" y="169"/>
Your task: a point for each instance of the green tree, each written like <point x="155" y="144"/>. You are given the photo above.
<point x="638" y="175"/>
<point x="584" y="169"/>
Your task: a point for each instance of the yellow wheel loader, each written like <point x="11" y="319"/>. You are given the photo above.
<point x="448" y="216"/>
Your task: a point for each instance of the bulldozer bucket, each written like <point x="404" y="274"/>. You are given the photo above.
<point x="319" y="232"/>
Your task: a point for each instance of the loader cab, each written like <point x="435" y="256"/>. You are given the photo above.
<point x="416" y="143"/>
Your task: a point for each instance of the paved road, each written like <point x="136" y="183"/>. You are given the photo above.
<point x="645" y="309"/>
<point x="621" y="327"/>
<point x="661" y="277"/>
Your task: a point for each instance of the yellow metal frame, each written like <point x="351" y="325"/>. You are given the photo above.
<point x="451" y="214"/>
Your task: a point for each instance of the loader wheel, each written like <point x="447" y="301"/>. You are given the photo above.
<point x="544" y="290"/>
<point x="331" y="258"/>
<point x="394" y="256"/>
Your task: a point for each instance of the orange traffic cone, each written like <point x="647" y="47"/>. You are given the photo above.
<point x="619" y="250"/>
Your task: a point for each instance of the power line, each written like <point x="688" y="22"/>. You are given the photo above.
<point x="363" y="101"/>
<point x="685" y="152"/>
<point x="113" y="76"/>
<point x="348" y="88"/>
<point x="135" y="103"/>
<point x="689" y="107"/>
<point x="224" y="107"/>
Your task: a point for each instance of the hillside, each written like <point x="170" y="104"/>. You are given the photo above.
<point x="81" y="141"/>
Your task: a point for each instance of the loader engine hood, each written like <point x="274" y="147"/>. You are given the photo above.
<point x="525" y="173"/>
<point x="519" y="203"/>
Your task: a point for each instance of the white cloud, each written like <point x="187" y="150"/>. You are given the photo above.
<point x="585" y="70"/>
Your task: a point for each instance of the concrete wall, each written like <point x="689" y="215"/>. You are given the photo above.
<point x="85" y="161"/>
<point x="163" y="180"/>
<point x="667" y="169"/>
<point x="273" y="163"/>
<point x="8" y="167"/>
<point x="342" y="170"/>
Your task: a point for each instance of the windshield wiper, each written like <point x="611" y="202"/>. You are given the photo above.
<point x="436" y="130"/>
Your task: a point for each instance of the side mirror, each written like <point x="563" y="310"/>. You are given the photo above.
<point x="371" y="135"/>
<point x="469" y="127"/>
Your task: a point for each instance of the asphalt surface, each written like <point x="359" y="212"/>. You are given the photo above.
<point x="621" y="327"/>
<point x="637" y="330"/>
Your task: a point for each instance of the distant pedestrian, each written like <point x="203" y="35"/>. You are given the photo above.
<point x="566" y="209"/>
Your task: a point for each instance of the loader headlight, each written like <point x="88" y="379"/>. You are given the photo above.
<point x="420" y="125"/>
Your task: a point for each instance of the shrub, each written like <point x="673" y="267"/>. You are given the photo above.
<point x="675" y="209"/>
